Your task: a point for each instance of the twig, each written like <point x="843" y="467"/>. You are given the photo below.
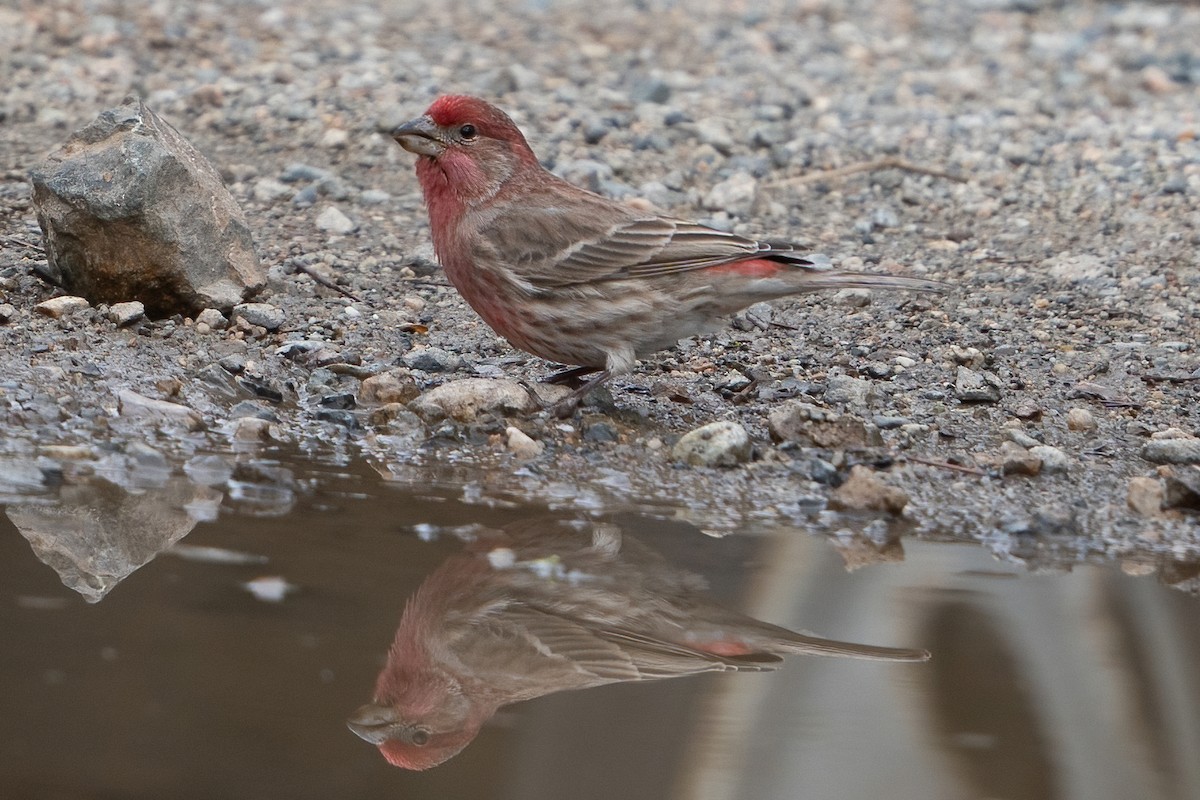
<point x="328" y="284"/>
<point x="19" y="242"/>
<point x="946" y="465"/>
<point x="868" y="166"/>
<point x="1151" y="378"/>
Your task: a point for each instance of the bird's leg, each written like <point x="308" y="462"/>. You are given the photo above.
<point x="569" y="377"/>
<point x="566" y="407"/>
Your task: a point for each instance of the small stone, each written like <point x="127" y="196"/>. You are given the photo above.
<point x="1053" y="459"/>
<point x="735" y="194"/>
<point x="1181" y="487"/>
<point x="135" y="406"/>
<point x="601" y="432"/>
<point x="332" y="220"/>
<point x="393" y="386"/>
<point x="521" y="445"/>
<point x="855" y="393"/>
<point x="432" y="359"/>
<point x="1183" y="450"/>
<point x="465" y="399"/>
<point x="812" y="426"/>
<point x="252" y="429"/>
<point x="334" y="138"/>
<point x="402" y="427"/>
<point x="1016" y="460"/>
<point x="268" y="190"/>
<point x="1080" y="419"/>
<point x="7" y="313"/>
<point x="864" y="491"/>
<point x="213" y="318"/>
<point x="58" y="307"/>
<point x="718" y="444"/>
<point x="1028" y="410"/>
<point x="1145" y="496"/>
<point x="976" y="387"/>
<point x="714" y="133"/>
<point x="123" y="314"/>
<point x="264" y="315"/>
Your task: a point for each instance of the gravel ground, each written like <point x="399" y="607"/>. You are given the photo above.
<point x="1040" y="157"/>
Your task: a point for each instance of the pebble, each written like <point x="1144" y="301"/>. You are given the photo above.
<point x="58" y="307"/>
<point x="1016" y="460"/>
<point x="464" y="400"/>
<point x="1183" y="450"/>
<point x="976" y="387"/>
<point x="1053" y="460"/>
<point x="432" y="359"/>
<point x="123" y="314"/>
<point x="1080" y="419"/>
<point x="392" y="386"/>
<point x="332" y="220"/>
<point x="863" y="490"/>
<point x="734" y="195"/>
<point x="1181" y="487"/>
<point x="264" y="315"/>
<point x="852" y="393"/>
<point x="213" y="318"/>
<point x="717" y="444"/>
<point x="135" y="406"/>
<point x="1145" y="496"/>
<point x="7" y="313"/>
<point x="521" y="445"/>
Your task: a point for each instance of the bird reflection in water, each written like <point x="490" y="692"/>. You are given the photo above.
<point x="544" y="606"/>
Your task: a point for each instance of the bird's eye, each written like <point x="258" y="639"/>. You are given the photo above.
<point x="419" y="737"/>
<point x="468" y="131"/>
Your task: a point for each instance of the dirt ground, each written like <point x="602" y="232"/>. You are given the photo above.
<point x="1039" y="157"/>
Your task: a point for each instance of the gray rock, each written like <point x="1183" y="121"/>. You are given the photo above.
<point x="736" y="194"/>
<point x="717" y="444"/>
<point x="976" y="387"/>
<point x="264" y="315"/>
<point x="464" y="400"/>
<point x="855" y="393"/>
<point x="7" y="312"/>
<point x="393" y="386"/>
<point x="58" y="307"/>
<point x="129" y="210"/>
<point x="133" y="405"/>
<point x="332" y="220"/>
<point x="432" y="359"/>
<point x="1053" y="460"/>
<point x="123" y="314"/>
<point x="1182" y="450"/>
<point x="213" y="318"/>
<point x="813" y="426"/>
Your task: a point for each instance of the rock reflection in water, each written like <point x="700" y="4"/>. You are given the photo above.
<point x="545" y="607"/>
<point x="95" y="533"/>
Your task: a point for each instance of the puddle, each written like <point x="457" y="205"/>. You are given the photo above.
<point x="241" y="611"/>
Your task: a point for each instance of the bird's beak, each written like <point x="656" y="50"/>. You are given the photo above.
<point x="421" y="136"/>
<point x="373" y="723"/>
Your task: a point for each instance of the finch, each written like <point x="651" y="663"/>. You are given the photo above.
<point x="542" y="608"/>
<point x="577" y="278"/>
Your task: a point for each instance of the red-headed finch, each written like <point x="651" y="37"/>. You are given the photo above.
<point x="577" y="278"/>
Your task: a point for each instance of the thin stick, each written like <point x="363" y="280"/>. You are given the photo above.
<point x="17" y="241"/>
<point x="890" y="162"/>
<point x="946" y="465"/>
<point x="328" y="284"/>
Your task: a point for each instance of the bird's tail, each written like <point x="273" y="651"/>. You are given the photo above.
<point x="816" y="272"/>
<point x="816" y="646"/>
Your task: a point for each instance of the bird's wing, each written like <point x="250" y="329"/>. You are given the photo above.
<point x="608" y="654"/>
<point x="556" y="246"/>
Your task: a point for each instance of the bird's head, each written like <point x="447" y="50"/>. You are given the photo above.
<point x="474" y="145"/>
<point x="417" y="741"/>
